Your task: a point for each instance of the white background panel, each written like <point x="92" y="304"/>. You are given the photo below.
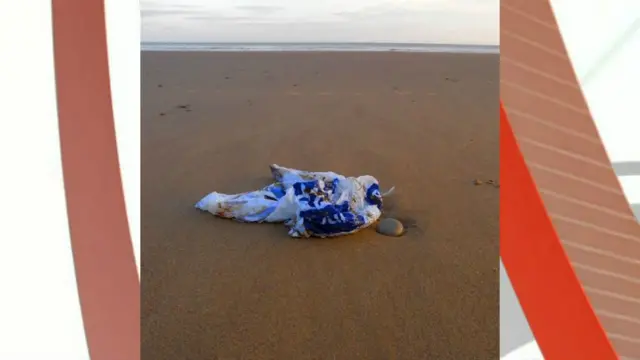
<point x="613" y="95"/>
<point x="123" y="36"/>
<point x="630" y="187"/>
<point x="39" y="307"/>
<point x="603" y="42"/>
<point x="591" y="28"/>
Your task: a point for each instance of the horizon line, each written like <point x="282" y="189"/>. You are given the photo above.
<point x="315" y="42"/>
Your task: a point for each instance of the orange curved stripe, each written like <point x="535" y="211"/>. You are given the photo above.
<point x="107" y="278"/>
<point x="557" y="309"/>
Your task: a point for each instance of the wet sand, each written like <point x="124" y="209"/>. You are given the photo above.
<point x="217" y="289"/>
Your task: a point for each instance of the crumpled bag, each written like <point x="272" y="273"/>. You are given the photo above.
<point x="318" y="204"/>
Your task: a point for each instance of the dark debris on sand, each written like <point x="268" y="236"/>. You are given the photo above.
<point x="478" y="182"/>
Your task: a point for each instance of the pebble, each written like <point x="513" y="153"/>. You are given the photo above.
<point x="390" y="227"/>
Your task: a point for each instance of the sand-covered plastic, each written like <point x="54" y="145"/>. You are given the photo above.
<point x="310" y="204"/>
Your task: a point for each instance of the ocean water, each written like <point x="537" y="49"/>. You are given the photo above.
<point x="320" y="47"/>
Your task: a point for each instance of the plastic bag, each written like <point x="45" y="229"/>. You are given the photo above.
<point x="318" y="204"/>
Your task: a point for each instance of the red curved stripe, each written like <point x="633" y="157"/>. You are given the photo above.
<point x="557" y="309"/>
<point x="107" y="278"/>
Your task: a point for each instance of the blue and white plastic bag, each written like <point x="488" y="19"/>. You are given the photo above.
<point x="318" y="204"/>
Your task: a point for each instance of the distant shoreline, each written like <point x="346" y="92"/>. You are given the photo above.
<point x="319" y="47"/>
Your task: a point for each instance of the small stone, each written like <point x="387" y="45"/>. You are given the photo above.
<point x="390" y="227"/>
<point x="477" y="182"/>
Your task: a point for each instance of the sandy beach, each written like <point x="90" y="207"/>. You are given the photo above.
<point x="215" y="289"/>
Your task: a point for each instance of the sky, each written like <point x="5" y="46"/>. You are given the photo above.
<point x="392" y="21"/>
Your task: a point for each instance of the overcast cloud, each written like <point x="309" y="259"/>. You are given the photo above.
<point x="421" y="21"/>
